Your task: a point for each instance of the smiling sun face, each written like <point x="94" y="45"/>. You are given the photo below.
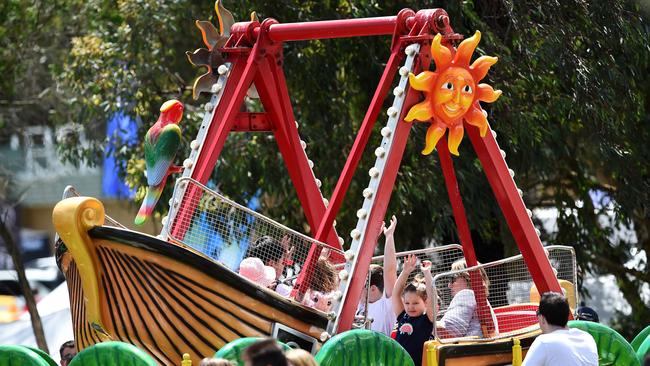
<point x="452" y="94"/>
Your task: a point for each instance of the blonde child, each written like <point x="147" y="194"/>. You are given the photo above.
<point x="413" y="311"/>
<point x="324" y="282"/>
<point x="300" y="357"/>
<point x="461" y="318"/>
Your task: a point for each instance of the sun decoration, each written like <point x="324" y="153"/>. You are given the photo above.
<point x="452" y="93"/>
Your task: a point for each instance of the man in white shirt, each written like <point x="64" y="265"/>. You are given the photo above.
<point x="382" y="281"/>
<point x="559" y="345"/>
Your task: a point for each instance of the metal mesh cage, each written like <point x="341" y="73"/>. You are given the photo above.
<point x="259" y="249"/>
<point x="510" y="297"/>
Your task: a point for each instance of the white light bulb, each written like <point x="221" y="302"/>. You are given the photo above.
<point x="222" y="69"/>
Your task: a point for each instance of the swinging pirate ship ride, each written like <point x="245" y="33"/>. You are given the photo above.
<point x="180" y="292"/>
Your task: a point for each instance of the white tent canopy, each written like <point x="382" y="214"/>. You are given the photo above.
<point x="57" y="323"/>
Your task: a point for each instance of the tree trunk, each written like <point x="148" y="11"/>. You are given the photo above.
<point x="37" y="326"/>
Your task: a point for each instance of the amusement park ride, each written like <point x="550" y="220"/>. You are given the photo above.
<point x="181" y="293"/>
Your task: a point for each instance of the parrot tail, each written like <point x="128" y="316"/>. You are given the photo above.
<point x="149" y="202"/>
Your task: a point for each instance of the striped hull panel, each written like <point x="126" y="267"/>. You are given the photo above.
<point x="168" y="308"/>
<point x="84" y="334"/>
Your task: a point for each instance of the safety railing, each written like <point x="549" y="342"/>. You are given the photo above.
<point x="261" y="250"/>
<point x="507" y="285"/>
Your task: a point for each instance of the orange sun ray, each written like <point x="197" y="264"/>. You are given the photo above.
<point x="481" y="66"/>
<point x="475" y="117"/>
<point x="422" y="81"/>
<point x="441" y="54"/>
<point x="465" y="50"/>
<point x="434" y="133"/>
<point x="455" y="137"/>
<point x="421" y="112"/>
<point x="485" y="93"/>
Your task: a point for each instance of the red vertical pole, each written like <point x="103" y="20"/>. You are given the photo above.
<point x="375" y="219"/>
<point x="352" y="162"/>
<point x="271" y="86"/>
<point x="464" y="233"/>
<point x="456" y="202"/>
<point x="382" y="197"/>
<point x="514" y="210"/>
<point x="360" y="142"/>
<point x="241" y="75"/>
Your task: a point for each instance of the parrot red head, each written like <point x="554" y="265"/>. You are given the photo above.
<point x="171" y="111"/>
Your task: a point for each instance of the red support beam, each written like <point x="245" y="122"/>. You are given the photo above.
<point x="342" y="28"/>
<point x="380" y="203"/>
<point x="514" y="210"/>
<point x="241" y="75"/>
<point x="252" y="122"/>
<point x="375" y="220"/>
<point x="272" y="88"/>
<point x="464" y="233"/>
<point x="351" y="163"/>
<point x="243" y="71"/>
<point x="360" y="142"/>
<point x="456" y="202"/>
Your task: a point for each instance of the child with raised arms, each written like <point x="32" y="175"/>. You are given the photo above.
<point x="414" y="313"/>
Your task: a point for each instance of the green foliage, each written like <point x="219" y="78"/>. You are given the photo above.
<point x="573" y="117"/>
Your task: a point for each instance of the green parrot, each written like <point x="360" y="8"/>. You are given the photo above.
<point x="160" y="146"/>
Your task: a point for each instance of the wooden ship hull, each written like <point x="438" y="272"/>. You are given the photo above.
<point x="161" y="297"/>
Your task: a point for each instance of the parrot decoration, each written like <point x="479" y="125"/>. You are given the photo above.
<point x="160" y="146"/>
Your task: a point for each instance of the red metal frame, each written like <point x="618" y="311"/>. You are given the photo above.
<point x="514" y="210"/>
<point x="255" y="52"/>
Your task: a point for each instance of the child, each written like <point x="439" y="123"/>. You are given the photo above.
<point x="414" y="316"/>
<point x="324" y="281"/>
<point x="300" y="357"/>
<point x="461" y="318"/>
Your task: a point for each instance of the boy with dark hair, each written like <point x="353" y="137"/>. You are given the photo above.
<point x="67" y="351"/>
<point x="559" y="345"/>
<point x="270" y="251"/>
<point x="264" y="353"/>
<point x="380" y="288"/>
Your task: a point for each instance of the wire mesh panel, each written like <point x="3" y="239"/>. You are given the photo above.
<point x="258" y="248"/>
<point x="510" y="292"/>
<point x="440" y="257"/>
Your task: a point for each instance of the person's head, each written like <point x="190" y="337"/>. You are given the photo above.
<point x="325" y="278"/>
<point x="265" y="352"/>
<point x="461" y="281"/>
<point x="215" y="362"/>
<point x="586" y="313"/>
<point x="553" y="311"/>
<point x="300" y="357"/>
<point x="271" y="251"/>
<point x="376" y="289"/>
<point x="67" y="352"/>
<point x="414" y="299"/>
